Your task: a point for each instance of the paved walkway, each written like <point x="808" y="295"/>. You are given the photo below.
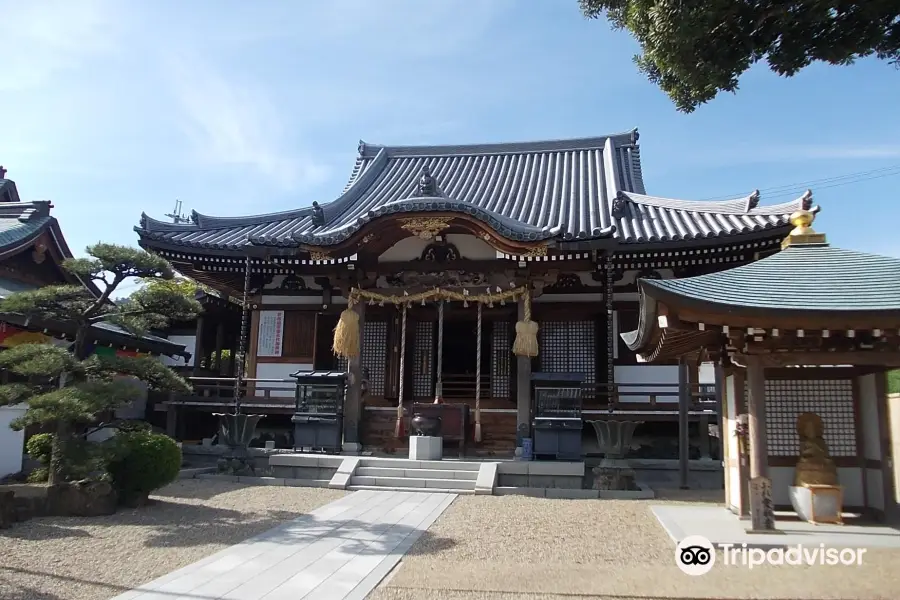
<point x="721" y="526"/>
<point x="339" y="551"/>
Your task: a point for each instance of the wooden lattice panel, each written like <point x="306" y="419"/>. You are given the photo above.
<point x="374" y="354"/>
<point x="501" y="348"/>
<point x="568" y="347"/>
<point x="831" y="399"/>
<point x="423" y="365"/>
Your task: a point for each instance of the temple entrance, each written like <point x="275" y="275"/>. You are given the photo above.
<point x="459" y="358"/>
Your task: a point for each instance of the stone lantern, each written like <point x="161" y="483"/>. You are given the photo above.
<point x="614" y="439"/>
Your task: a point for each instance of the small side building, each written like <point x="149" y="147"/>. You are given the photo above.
<point x="811" y="329"/>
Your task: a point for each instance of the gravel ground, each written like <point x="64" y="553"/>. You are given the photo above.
<point x="499" y="548"/>
<point x="57" y="558"/>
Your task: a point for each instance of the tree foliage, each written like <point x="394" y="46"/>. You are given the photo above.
<point x="70" y="389"/>
<point x="694" y="49"/>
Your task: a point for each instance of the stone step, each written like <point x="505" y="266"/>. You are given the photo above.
<point x="405" y="463"/>
<point x="412" y="482"/>
<point x="416" y="473"/>
<point x="383" y="488"/>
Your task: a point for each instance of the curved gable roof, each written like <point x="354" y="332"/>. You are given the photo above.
<point x="567" y="190"/>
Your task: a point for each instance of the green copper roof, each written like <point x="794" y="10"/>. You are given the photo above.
<point x="807" y="278"/>
<point x="22" y="221"/>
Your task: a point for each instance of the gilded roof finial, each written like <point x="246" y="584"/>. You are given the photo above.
<point x="803" y="233"/>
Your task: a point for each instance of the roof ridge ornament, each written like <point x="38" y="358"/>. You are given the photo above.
<point x="806" y="200"/>
<point x="427" y="185"/>
<point x="318" y="215"/>
<point x="2" y="172"/>
<point x="361" y="148"/>
<point x="618" y="205"/>
<point x="803" y="234"/>
<point x="753" y="200"/>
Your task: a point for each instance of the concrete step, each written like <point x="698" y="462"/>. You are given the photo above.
<point x="416" y="473"/>
<point x="405" y="463"/>
<point x="413" y="482"/>
<point x="384" y="488"/>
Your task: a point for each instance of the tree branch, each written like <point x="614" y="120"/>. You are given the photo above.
<point x="92" y="310"/>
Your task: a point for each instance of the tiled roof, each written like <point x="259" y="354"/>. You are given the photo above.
<point x="808" y="278"/>
<point x="22" y="221"/>
<point x="8" y="191"/>
<point x="564" y="190"/>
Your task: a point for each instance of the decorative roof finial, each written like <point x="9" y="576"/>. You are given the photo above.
<point x="318" y="215"/>
<point x="427" y="187"/>
<point x="2" y="172"/>
<point x="806" y="200"/>
<point x="803" y="234"/>
<point x="635" y="136"/>
<point x="753" y="200"/>
<point x="361" y="148"/>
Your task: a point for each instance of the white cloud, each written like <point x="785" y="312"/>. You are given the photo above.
<point x="44" y="37"/>
<point x="234" y="123"/>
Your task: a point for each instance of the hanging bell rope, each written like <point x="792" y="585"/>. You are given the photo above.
<point x="398" y="426"/>
<point x="439" y="386"/>
<point x="526" y="343"/>
<point x="346" y="333"/>
<point x="478" y="377"/>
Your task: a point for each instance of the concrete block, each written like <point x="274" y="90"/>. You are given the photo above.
<point x="520" y="491"/>
<point x="348" y="465"/>
<point x="571" y="494"/>
<point x="283" y="472"/>
<point x="513" y="468"/>
<point x="320" y="483"/>
<point x="555" y="468"/>
<point x="341" y="478"/>
<point x="294" y="460"/>
<point x="512" y="480"/>
<point x="423" y="447"/>
<point x="487" y="478"/>
<point x="644" y="493"/>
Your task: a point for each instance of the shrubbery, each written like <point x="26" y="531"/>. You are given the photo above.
<point x="82" y="459"/>
<point x="140" y="462"/>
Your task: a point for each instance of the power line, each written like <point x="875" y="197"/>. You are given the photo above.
<point x="833" y="185"/>
<point x="818" y="183"/>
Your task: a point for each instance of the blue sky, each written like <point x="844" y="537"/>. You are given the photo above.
<point x="112" y="108"/>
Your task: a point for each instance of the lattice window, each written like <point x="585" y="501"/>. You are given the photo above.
<point x="374" y="354"/>
<point x="831" y="399"/>
<point x="501" y="349"/>
<point x="423" y="360"/>
<point x="568" y="347"/>
<point x="340" y="364"/>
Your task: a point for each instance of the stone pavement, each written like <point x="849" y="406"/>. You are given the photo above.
<point x="721" y="526"/>
<point x="339" y="551"/>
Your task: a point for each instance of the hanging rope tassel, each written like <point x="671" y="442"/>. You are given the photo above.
<point x="346" y="334"/>
<point x="398" y="426"/>
<point x="439" y="386"/>
<point x="526" y="343"/>
<point x="478" y="378"/>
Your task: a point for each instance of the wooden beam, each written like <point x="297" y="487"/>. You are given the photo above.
<point x="756" y="411"/>
<point x="858" y="358"/>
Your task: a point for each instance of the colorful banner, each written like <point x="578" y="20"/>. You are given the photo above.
<point x="12" y="336"/>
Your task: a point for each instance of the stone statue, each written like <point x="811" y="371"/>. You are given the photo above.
<point x="815" y="467"/>
<point x="318" y="215"/>
<point x="427" y="184"/>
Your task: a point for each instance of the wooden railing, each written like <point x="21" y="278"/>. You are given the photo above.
<point x="643" y="396"/>
<point x="599" y="396"/>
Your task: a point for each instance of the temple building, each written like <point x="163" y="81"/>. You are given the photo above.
<point x="483" y="236"/>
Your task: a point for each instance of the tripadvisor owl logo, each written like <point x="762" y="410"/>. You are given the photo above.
<point x="695" y="555"/>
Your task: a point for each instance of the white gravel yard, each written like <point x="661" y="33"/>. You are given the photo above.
<point x="55" y="558"/>
<point x="501" y="548"/>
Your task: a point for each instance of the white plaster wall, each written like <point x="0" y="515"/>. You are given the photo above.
<point x="848" y="477"/>
<point x="875" y="488"/>
<point x="280" y="371"/>
<point x="648" y="374"/>
<point x="707" y="374"/>
<point x="868" y="413"/>
<point x="12" y="443"/>
<point x="411" y="248"/>
<point x="189" y="342"/>
<point x="732" y="455"/>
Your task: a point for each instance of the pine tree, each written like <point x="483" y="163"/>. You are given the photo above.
<point x="67" y="389"/>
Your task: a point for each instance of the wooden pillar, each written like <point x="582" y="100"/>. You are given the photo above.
<point x="756" y="413"/>
<point x="523" y="389"/>
<point x="720" y="410"/>
<point x="353" y="404"/>
<point x="220" y="341"/>
<point x="684" y="400"/>
<point x="198" y="346"/>
<point x="740" y="403"/>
